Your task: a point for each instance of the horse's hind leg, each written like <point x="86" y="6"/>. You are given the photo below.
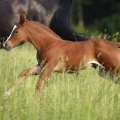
<point x="104" y="73"/>
<point x="107" y="75"/>
<point x="27" y="72"/>
<point x="117" y="79"/>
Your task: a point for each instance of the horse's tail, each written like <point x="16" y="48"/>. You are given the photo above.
<point x="61" y="23"/>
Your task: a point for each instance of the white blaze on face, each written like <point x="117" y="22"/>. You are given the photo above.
<point x="12" y="32"/>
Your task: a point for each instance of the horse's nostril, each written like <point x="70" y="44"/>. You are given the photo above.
<point x="6" y="46"/>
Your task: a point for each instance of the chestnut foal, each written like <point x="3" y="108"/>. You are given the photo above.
<point x="55" y="54"/>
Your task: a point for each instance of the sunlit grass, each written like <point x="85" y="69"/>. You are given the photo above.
<point x="66" y="96"/>
<point x="92" y="32"/>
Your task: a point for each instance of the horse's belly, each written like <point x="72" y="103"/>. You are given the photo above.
<point x="71" y="68"/>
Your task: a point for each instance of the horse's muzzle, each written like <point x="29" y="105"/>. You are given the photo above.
<point x="7" y="46"/>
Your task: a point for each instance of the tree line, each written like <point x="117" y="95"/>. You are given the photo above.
<point x="103" y="15"/>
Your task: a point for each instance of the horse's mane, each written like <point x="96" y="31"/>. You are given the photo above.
<point x="44" y="27"/>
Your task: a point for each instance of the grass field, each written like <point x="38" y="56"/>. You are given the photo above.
<point x="66" y="97"/>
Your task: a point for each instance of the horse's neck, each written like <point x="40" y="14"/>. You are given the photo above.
<point x="41" y="37"/>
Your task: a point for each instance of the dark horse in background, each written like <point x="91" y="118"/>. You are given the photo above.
<point x="55" y="14"/>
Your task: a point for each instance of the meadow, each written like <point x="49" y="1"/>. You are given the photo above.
<point x="86" y="96"/>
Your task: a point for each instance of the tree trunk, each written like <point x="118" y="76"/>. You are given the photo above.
<point x="80" y="16"/>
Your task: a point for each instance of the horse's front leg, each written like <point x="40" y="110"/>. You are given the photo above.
<point x="27" y="72"/>
<point x="45" y="74"/>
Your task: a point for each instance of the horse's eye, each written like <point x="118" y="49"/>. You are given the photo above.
<point x="16" y="32"/>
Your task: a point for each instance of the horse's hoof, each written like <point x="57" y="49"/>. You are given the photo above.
<point x="6" y="95"/>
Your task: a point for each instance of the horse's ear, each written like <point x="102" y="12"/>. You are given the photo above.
<point x="22" y="18"/>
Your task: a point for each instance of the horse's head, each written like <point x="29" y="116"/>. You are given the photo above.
<point x="17" y="36"/>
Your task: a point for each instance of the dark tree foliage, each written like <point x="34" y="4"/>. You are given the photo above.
<point x="102" y="14"/>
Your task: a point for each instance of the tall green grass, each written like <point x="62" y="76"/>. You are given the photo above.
<point x="66" y="96"/>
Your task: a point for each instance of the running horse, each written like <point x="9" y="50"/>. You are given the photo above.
<point x="57" y="55"/>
